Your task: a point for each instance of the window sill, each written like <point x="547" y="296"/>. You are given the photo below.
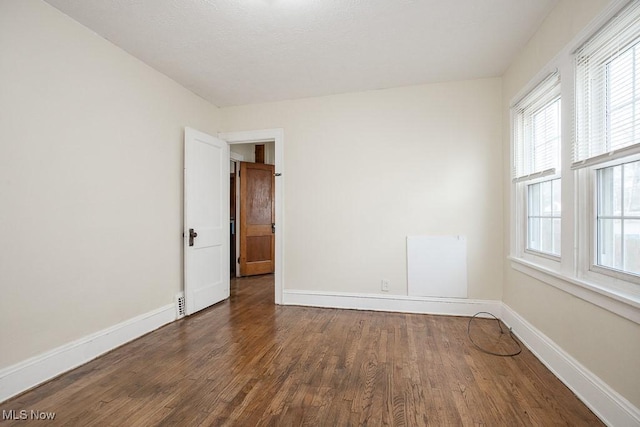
<point x="622" y="304"/>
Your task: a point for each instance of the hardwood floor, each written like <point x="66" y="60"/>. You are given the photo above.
<point x="248" y="362"/>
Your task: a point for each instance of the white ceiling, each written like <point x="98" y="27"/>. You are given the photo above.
<point x="234" y="52"/>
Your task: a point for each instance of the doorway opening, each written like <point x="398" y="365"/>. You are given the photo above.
<point x="252" y="209"/>
<point x="234" y="238"/>
<point x="259" y="156"/>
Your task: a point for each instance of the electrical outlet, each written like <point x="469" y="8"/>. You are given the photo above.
<point x="385" y="285"/>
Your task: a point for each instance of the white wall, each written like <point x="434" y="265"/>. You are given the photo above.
<point x="365" y="170"/>
<point x="603" y="342"/>
<point x="90" y="181"/>
<point x="248" y="152"/>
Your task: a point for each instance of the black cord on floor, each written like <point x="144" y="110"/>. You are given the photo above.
<point x="501" y="331"/>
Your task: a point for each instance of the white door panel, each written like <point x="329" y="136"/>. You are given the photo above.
<point x="206" y="212"/>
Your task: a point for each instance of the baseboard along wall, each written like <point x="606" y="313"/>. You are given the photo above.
<point x="27" y="374"/>
<point x="605" y="402"/>
<point x="393" y="303"/>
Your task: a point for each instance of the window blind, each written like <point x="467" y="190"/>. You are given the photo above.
<point x="607" y="96"/>
<point x="536" y="131"/>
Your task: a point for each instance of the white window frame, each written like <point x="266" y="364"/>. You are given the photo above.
<point x="522" y="251"/>
<point x="593" y="271"/>
<point x="576" y="271"/>
<point x="521" y="183"/>
<point x="548" y="255"/>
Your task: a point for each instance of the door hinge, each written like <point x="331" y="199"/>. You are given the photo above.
<point x="238" y="260"/>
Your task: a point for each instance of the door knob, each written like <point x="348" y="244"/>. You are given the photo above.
<point x="192" y="236"/>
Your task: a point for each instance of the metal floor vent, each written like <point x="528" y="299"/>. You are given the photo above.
<point x="180" y="306"/>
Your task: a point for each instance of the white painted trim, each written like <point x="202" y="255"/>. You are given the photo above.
<point x="606" y="403"/>
<point x="623" y="305"/>
<point x="392" y="303"/>
<point x="29" y="373"/>
<point x="236" y="158"/>
<point x="252" y="136"/>
<point x="277" y="136"/>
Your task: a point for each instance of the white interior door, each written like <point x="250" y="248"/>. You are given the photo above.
<point x="206" y="220"/>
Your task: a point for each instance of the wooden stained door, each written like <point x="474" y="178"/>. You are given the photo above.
<point x="257" y="219"/>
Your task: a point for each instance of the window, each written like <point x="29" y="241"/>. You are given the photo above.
<point x="623" y="106"/>
<point x="575" y="217"/>
<point x="536" y="126"/>
<point x="618" y="218"/>
<point x="608" y="140"/>
<point x="536" y="171"/>
<point x="543" y="217"/>
<point x="608" y="91"/>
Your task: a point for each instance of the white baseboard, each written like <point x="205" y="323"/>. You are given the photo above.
<point x="36" y="370"/>
<point x="606" y="403"/>
<point x="393" y="303"/>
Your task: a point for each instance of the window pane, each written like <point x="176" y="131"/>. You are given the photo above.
<point x="534" y="200"/>
<point x="610" y="191"/>
<point x="637" y="57"/>
<point x="536" y="125"/>
<point x="546" y="235"/>
<point x="610" y="243"/>
<point x="621" y="79"/>
<point x="622" y="99"/>
<point x="632" y="188"/>
<point x="534" y="234"/>
<point x="543" y="232"/>
<point x="620" y="130"/>
<point x="545" y="197"/>
<point x="632" y="246"/>
<point x="557" y="197"/>
<point x="557" y="236"/>
<point x="545" y="126"/>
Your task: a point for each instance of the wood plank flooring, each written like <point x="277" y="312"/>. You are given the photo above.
<point x="247" y="362"/>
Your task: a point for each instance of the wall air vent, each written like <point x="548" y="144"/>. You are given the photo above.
<point x="180" y="313"/>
